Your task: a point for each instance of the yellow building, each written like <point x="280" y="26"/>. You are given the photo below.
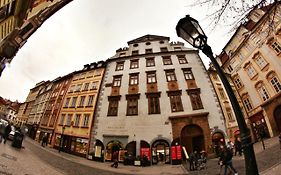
<point x="252" y="57"/>
<point x="73" y="129"/>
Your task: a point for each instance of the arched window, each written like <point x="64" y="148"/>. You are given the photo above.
<point x="262" y="91"/>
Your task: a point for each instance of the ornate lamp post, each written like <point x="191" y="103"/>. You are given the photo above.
<point x="61" y="138"/>
<point x="190" y="30"/>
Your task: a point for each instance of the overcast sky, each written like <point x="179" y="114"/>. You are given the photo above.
<point x="87" y="31"/>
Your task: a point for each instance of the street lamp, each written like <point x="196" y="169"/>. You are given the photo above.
<point x="190" y="30"/>
<point x="60" y="146"/>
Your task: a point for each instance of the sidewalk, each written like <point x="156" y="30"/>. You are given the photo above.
<point x="151" y="170"/>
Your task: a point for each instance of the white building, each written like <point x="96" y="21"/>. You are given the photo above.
<point x="156" y="96"/>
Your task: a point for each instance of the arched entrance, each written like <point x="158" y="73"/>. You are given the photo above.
<point x="99" y="150"/>
<point x="160" y="152"/>
<point x="277" y="117"/>
<point x="192" y="138"/>
<point x="217" y="140"/>
<point x="111" y="147"/>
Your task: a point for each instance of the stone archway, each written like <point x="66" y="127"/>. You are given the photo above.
<point x="277" y="117"/>
<point x="192" y="137"/>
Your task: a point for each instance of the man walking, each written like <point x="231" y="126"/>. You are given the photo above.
<point x="226" y="159"/>
<point x="7" y="131"/>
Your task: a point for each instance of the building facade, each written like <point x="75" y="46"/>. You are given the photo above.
<point x="156" y="98"/>
<point x="73" y="128"/>
<point x="252" y="57"/>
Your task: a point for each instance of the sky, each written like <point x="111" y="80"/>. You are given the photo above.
<point x="86" y="31"/>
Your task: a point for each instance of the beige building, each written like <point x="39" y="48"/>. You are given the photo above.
<point x="73" y="127"/>
<point x="252" y="57"/>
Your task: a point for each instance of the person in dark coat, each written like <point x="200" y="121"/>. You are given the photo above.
<point x="7" y="131"/>
<point x="115" y="159"/>
<point x="44" y="140"/>
<point x="226" y="160"/>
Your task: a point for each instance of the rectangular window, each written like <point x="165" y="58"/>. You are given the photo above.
<point x="276" y="47"/>
<point x="170" y="75"/>
<point x="71" y="89"/>
<point x="151" y="77"/>
<point x="116" y="81"/>
<point x="82" y="100"/>
<point x="68" y="120"/>
<point x="66" y="102"/>
<point x="61" y="119"/>
<point x="222" y="94"/>
<point x="132" y="104"/>
<point x="182" y="59"/>
<point x="188" y="75"/>
<point x="260" y="61"/>
<point x="77" y="120"/>
<point x="94" y="85"/>
<point x="134" y="64"/>
<point x="247" y="103"/>
<point x="78" y="87"/>
<point x="167" y="60"/>
<point x="276" y="84"/>
<point x="150" y="62"/>
<point x="164" y="49"/>
<point x="98" y="72"/>
<point x="251" y="71"/>
<point x="73" y="103"/>
<point x="176" y="103"/>
<point x="113" y="107"/>
<point x="119" y="66"/>
<point x="238" y="82"/>
<point x="86" y="120"/>
<point x="135" y="52"/>
<point x="90" y="100"/>
<point x="86" y="86"/>
<point x="263" y="93"/>
<point x="134" y="79"/>
<point x="195" y="99"/>
<point x="148" y="51"/>
<point x="229" y="114"/>
<point x="153" y="104"/>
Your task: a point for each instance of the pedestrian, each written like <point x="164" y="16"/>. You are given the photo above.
<point x="230" y="145"/>
<point x="44" y="140"/>
<point x="192" y="161"/>
<point x="115" y="159"/>
<point x="226" y="160"/>
<point x="2" y="127"/>
<point x="280" y="139"/>
<point x="7" y="131"/>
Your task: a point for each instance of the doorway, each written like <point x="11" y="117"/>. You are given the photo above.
<point x="192" y="138"/>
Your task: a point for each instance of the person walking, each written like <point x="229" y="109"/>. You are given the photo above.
<point x="7" y="131"/>
<point x="115" y="159"/>
<point x="44" y="140"/>
<point x="226" y="160"/>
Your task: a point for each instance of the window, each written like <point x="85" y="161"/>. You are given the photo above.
<point x="229" y="114"/>
<point x="94" y="85"/>
<point x="151" y="77"/>
<point x="98" y="72"/>
<point x="71" y="89"/>
<point x="177" y="48"/>
<point x="134" y="79"/>
<point x="73" y="104"/>
<point x="153" y="103"/>
<point x="195" y="99"/>
<point x="132" y="105"/>
<point x="276" y="47"/>
<point x="135" y="52"/>
<point x="229" y="68"/>
<point x="247" y="103"/>
<point x="116" y="81"/>
<point x="68" y="120"/>
<point x="77" y="120"/>
<point x="182" y="59"/>
<point x="122" y="54"/>
<point x="61" y="119"/>
<point x="170" y="75"/>
<point x="134" y="64"/>
<point x="175" y="101"/>
<point x="113" y="106"/>
<point x="82" y="100"/>
<point x="222" y="94"/>
<point x="86" y="120"/>
<point x="188" y="75"/>
<point x="237" y="82"/>
<point x="167" y="60"/>
<point x="119" y="66"/>
<point x="164" y="49"/>
<point x="262" y="92"/>
<point x="86" y="86"/>
<point x="78" y="87"/>
<point x="251" y="71"/>
<point x="67" y="102"/>
<point x="90" y="100"/>
<point x="150" y="62"/>
<point x="260" y="61"/>
<point x="274" y="82"/>
<point x="148" y="51"/>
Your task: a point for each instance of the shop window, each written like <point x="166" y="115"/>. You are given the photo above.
<point x="116" y="81"/>
<point x="133" y="79"/>
<point x="90" y="101"/>
<point x="188" y="75"/>
<point x="170" y="75"/>
<point x="167" y="60"/>
<point x="119" y="66"/>
<point x="77" y="120"/>
<point x="132" y="104"/>
<point x="151" y="77"/>
<point x="134" y="64"/>
<point x="113" y="106"/>
<point x="182" y="59"/>
<point x="150" y="62"/>
<point x="175" y="101"/>
<point x="153" y="103"/>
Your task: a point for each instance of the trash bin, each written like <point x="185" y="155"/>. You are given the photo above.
<point x="18" y="138"/>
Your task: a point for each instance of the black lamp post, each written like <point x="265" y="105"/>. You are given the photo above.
<point x="190" y="30"/>
<point x="61" y="138"/>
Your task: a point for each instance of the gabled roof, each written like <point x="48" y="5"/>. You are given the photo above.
<point x="146" y="38"/>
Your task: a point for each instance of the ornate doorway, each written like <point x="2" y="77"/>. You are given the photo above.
<point x="192" y="138"/>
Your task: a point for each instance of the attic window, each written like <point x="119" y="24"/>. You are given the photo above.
<point x="161" y="42"/>
<point x="135" y="45"/>
<point x="147" y="43"/>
